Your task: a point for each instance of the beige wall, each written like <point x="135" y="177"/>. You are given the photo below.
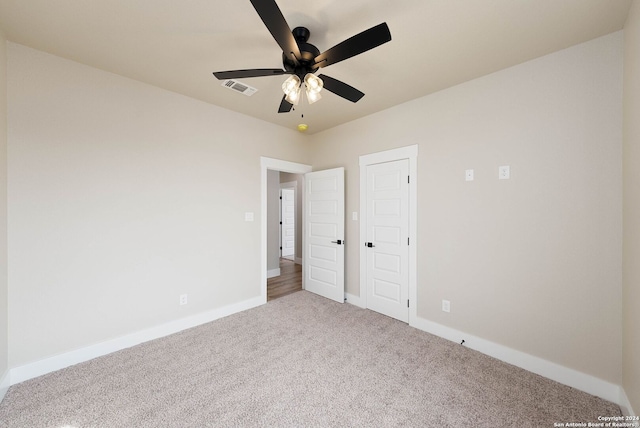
<point x="120" y="201"/>
<point x="532" y="263"/>
<point x="631" y="267"/>
<point x="3" y="210"/>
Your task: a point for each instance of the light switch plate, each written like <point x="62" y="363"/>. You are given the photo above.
<point x="248" y="216"/>
<point x="468" y="175"/>
<point x="354" y="216"/>
<point x="446" y="306"/>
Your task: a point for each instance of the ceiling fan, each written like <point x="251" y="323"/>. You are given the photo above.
<point x="302" y="60"/>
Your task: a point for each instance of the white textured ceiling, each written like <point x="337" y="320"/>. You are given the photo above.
<point x="435" y="44"/>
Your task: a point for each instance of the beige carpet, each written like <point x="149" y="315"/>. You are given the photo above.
<point x="300" y="361"/>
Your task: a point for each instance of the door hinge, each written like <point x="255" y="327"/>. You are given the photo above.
<point x="407" y="241"/>
<point x="280" y="222"/>
<point x="280" y="197"/>
<point x="408" y="179"/>
<point x="407" y="303"/>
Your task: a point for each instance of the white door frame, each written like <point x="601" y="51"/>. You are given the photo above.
<point x="411" y="153"/>
<point x="283" y="166"/>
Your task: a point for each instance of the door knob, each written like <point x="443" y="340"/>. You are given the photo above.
<point x="339" y="242"/>
<point x="369" y="244"/>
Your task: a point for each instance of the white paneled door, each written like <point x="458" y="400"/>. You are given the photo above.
<point x="387" y="238"/>
<point x="324" y="230"/>
<point x="288" y="218"/>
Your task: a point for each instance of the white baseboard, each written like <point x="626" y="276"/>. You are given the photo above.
<point x="354" y="300"/>
<point x="553" y="371"/>
<point x="625" y="404"/>
<point x="570" y="377"/>
<point x="57" y="362"/>
<point x="5" y="382"/>
<point x="273" y="273"/>
<point x="298" y="260"/>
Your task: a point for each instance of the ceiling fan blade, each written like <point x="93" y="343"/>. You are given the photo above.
<point x="285" y="106"/>
<point x="272" y="17"/>
<point x="362" y="42"/>
<point x="256" y="72"/>
<point x="341" y="89"/>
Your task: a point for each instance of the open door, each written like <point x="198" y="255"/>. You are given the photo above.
<point x="288" y="223"/>
<point x="324" y="240"/>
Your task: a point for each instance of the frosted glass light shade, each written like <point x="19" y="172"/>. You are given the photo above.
<point x="313" y="83"/>
<point x="312" y="97"/>
<point x="291" y="84"/>
<point x="293" y="97"/>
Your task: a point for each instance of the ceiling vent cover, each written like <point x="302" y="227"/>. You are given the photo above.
<point x="239" y="87"/>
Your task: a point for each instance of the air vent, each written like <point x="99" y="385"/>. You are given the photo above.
<point x="239" y="87"/>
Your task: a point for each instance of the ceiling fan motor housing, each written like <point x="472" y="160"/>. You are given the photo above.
<point x="308" y="53"/>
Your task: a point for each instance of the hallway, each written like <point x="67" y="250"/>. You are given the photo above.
<point x="289" y="281"/>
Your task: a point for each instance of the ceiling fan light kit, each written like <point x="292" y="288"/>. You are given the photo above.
<point x="302" y="60"/>
<point x="292" y="88"/>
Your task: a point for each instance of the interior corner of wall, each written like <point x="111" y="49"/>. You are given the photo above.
<point x="625" y="404"/>
<point x="5" y="382"/>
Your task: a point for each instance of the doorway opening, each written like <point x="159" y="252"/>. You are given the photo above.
<point x="322" y="227"/>
<point x="284" y="237"/>
<point x="273" y="268"/>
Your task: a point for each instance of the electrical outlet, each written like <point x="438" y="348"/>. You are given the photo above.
<point x="446" y="306"/>
<point x="504" y="172"/>
<point x="183" y="299"/>
<point x="468" y="175"/>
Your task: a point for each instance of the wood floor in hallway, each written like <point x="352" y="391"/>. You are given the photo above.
<point x="289" y="281"/>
